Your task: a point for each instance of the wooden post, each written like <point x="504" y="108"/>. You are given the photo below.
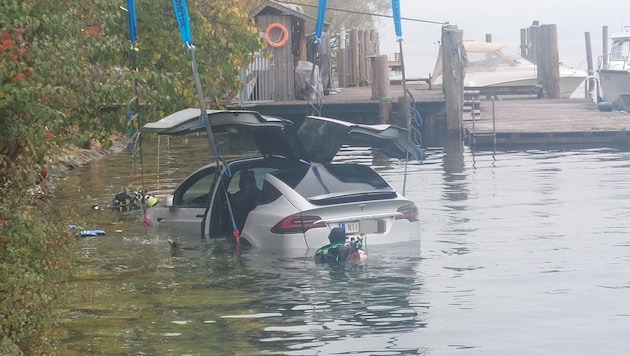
<point x="381" y="87"/>
<point x="376" y="44"/>
<point x="605" y="50"/>
<point x="590" y="83"/>
<point x="524" y="42"/>
<point x="533" y="44"/>
<point x="453" y="78"/>
<point x="549" y="61"/>
<point x="539" y="44"/>
<point x="342" y="60"/>
<point x="363" y="75"/>
<point x="371" y="49"/>
<point x="380" y="73"/>
<point x="405" y="114"/>
<point x="368" y="52"/>
<point x="354" y="57"/>
<point x="385" y="109"/>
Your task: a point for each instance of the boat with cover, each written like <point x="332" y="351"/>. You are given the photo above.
<point x="496" y="65"/>
<point x="614" y="72"/>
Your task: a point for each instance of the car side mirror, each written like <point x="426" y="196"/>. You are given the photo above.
<point x="168" y="201"/>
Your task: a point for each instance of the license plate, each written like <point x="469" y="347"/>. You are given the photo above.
<point x="363" y="227"/>
<point x="351" y="228"/>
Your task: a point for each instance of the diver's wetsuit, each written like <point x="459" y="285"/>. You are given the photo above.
<point x="336" y="252"/>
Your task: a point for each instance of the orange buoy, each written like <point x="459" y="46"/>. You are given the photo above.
<point x="284" y="35"/>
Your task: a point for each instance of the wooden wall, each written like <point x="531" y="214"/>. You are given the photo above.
<point x="283" y="58"/>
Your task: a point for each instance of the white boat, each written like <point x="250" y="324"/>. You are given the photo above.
<point x="495" y="65"/>
<point x="614" y="76"/>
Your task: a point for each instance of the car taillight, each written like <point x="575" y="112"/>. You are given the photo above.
<point x="296" y="224"/>
<point x="409" y="212"/>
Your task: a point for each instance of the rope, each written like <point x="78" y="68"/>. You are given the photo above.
<point x="321" y="15"/>
<point x="133" y="107"/>
<point x="183" y="21"/>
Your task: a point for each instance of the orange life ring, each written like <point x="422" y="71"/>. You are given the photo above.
<point x="284" y="35"/>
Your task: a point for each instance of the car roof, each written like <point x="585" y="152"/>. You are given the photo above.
<point x="318" y="139"/>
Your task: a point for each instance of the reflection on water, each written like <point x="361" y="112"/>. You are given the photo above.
<point x="520" y="251"/>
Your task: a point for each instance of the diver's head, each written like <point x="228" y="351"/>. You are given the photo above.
<point x="337" y="236"/>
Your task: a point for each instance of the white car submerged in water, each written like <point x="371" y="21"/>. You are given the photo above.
<point x="288" y="194"/>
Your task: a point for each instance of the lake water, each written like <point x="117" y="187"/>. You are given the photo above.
<point x="521" y="253"/>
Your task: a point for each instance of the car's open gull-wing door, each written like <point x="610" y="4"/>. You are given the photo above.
<point x="268" y="133"/>
<point x="321" y="139"/>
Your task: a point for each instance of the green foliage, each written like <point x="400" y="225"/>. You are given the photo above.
<point x="224" y="40"/>
<point x="62" y="63"/>
<point x="34" y="255"/>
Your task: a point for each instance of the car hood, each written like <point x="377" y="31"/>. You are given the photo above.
<point x="318" y="139"/>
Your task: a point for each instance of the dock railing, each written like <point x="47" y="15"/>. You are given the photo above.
<point x="472" y="99"/>
<point x="258" y="81"/>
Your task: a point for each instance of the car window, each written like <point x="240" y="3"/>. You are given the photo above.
<point x="321" y="180"/>
<point x="194" y="191"/>
<point x="269" y="193"/>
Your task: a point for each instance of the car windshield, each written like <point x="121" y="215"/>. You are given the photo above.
<point x="328" y="180"/>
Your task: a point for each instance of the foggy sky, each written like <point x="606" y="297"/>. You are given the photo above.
<point x="503" y="20"/>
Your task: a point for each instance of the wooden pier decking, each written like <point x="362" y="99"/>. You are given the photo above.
<point x="519" y="123"/>
<point x="352" y="104"/>
<point x="541" y="123"/>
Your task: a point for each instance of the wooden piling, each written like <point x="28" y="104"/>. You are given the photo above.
<point x="551" y="82"/>
<point x="363" y="74"/>
<point x="354" y="58"/>
<point x="381" y="86"/>
<point x="380" y="75"/>
<point x="605" y="49"/>
<point x="405" y="113"/>
<point x="524" y="43"/>
<point x="342" y="64"/>
<point x="385" y="110"/>
<point x="545" y="42"/>
<point x="590" y="83"/>
<point x="453" y="78"/>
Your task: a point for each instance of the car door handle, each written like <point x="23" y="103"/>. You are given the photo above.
<point x="199" y="216"/>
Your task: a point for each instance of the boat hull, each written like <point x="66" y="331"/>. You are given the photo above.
<point x="614" y="83"/>
<point x="568" y="84"/>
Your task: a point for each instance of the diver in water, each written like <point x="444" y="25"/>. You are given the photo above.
<point x="338" y="251"/>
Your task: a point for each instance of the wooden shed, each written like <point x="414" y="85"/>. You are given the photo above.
<point x="281" y="70"/>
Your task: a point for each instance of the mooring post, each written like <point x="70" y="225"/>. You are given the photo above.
<point x="404" y="112"/>
<point x="453" y="78"/>
<point x="342" y="60"/>
<point x="605" y="46"/>
<point x="381" y="90"/>
<point x="524" y="43"/>
<point x="590" y="83"/>
<point x="549" y="62"/>
<point x="354" y="58"/>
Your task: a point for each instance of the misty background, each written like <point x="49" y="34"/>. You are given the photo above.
<point x="503" y="20"/>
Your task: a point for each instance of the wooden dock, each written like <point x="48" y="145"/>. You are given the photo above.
<point x="528" y="123"/>
<point x="544" y="124"/>
<point x="354" y="104"/>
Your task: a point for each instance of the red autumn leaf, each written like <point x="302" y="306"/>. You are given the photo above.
<point x="18" y="78"/>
